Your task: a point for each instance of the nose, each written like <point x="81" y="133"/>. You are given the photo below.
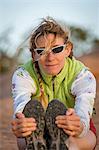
<point x="49" y="55"/>
<point x="47" y="52"/>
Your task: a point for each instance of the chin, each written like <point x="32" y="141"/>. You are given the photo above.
<point x="53" y="73"/>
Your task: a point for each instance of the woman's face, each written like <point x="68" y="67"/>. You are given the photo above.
<point x="50" y="62"/>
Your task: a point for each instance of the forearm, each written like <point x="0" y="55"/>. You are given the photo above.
<point x="84" y="108"/>
<point x="20" y="101"/>
<point x="23" y="86"/>
<point x="84" y="90"/>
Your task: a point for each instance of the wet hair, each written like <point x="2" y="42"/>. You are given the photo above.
<point x="49" y="25"/>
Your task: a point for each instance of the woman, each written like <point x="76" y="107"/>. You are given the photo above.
<point x="53" y="73"/>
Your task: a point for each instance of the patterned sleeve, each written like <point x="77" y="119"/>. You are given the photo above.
<point x="23" y="86"/>
<point x="84" y="89"/>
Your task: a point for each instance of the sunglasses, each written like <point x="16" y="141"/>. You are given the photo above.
<point x="55" y="50"/>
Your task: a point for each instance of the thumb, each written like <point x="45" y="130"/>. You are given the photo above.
<point x="70" y="111"/>
<point x="19" y="115"/>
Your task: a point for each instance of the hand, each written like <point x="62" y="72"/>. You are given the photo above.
<point x="22" y="126"/>
<point x="70" y="123"/>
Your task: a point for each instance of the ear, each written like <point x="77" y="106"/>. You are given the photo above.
<point x="68" y="49"/>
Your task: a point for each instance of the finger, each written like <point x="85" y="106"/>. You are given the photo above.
<point x="70" y="133"/>
<point x="23" y="130"/>
<point x="68" y="118"/>
<point x="77" y="127"/>
<point x="71" y="128"/>
<point x="77" y="130"/>
<point x="25" y="120"/>
<point x="66" y="127"/>
<point x="27" y="125"/>
<point x="19" y="131"/>
<point x="62" y="121"/>
<point x="22" y="126"/>
<point x="17" y="124"/>
<point x="68" y="123"/>
<point x="70" y="111"/>
<point x="20" y="115"/>
<point x="24" y="134"/>
<point x="71" y="117"/>
<point x="61" y="117"/>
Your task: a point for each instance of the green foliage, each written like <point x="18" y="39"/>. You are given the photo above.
<point x="78" y="33"/>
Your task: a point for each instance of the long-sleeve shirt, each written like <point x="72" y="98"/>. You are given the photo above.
<point x="83" y="88"/>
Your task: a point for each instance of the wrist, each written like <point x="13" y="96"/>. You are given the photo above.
<point x="83" y="130"/>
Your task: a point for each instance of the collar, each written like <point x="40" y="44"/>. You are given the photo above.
<point x="59" y="78"/>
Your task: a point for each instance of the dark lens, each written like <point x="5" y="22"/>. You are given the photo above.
<point x="57" y="49"/>
<point x="39" y="51"/>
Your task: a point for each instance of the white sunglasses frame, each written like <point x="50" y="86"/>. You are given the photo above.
<point x="50" y="50"/>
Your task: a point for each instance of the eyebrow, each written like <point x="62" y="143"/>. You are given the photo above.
<point x="41" y="47"/>
<point x="52" y="47"/>
<point x="56" y="45"/>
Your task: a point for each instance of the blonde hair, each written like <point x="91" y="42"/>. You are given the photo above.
<point x="49" y="25"/>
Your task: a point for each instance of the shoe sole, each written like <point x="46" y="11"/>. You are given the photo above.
<point x="35" y="141"/>
<point x="58" y="136"/>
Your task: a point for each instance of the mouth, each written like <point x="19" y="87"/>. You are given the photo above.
<point x="51" y="65"/>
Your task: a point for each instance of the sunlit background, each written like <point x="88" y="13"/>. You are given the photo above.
<point x="17" y="20"/>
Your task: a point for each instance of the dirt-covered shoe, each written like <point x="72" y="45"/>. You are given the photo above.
<point x="57" y="137"/>
<point x="35" y="141"/>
